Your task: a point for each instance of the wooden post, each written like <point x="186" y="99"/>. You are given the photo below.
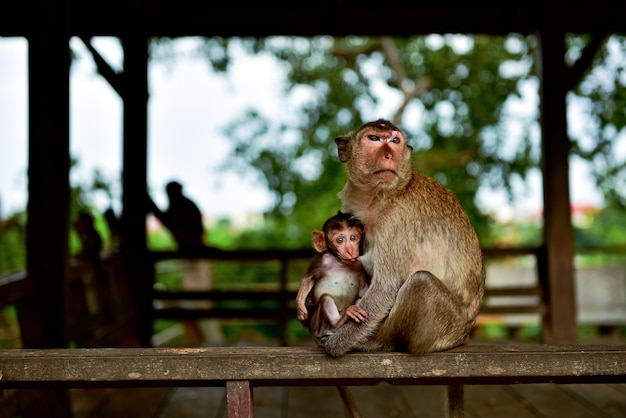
<point x="47" y="229"/>
<point x="43" y="323"/>
<point x="239" y="399"/>
<point x="348" y="401"/>
<point x="284" y="301"/>
<point x="134" y="175"/>
<point x="560" y="324"/>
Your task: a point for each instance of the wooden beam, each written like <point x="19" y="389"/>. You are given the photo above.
<point x="248" y="18"/>
<point x="288" y="366"/>
<point x="557" y="264"/>
<point x="104" y="69"/>
<point x="134" y="176"/>
<point x="42" y="318"/>
<point x="239" y="398"/>
<point x="47" y="228"/>
<point x="577" y="72"/>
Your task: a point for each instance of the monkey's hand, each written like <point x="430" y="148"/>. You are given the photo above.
<point x="303" y="314"/>
<point x="336" y="345"/>
<point x="356" y="313"/>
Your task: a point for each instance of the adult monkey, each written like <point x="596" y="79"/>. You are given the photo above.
<point x="421" y="251"/>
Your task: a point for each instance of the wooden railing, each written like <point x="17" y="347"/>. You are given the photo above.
<point x="101" y="301"/>
<point x="98" y="308"/>
<point x="241" y="369"/>
<point x="283" y="291"/>
<point x="89" y="325"/>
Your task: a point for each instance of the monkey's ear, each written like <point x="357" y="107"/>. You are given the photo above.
<point x="342" y="148"/>
<point x="319" y="241"/>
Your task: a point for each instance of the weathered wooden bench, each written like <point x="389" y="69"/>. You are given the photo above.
<point x="240" y="369"/>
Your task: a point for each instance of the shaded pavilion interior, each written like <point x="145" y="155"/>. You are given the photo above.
<point x="49" y="25"/>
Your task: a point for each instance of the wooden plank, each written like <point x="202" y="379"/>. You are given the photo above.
<point x="424" y="401"/>
<point x="134" y="174"/>
<point x="271" y="402"/>
<point x="549" y="400"/>
<point x="239" y="399"/>
<point x="558" y="233"/>
<point x="286" y="366"/>
<point x="327" y="402"/>
<point x="117" y="403"/>
<point x="494" y="402"/>
<point x="195" y="403"/>
<point x="194" y="18"/>
<point x="85" y="401"/>
<point x="606" y="398"/>
<point x="48" y="172"/>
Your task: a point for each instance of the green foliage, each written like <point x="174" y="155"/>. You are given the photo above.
<point x="455" y="95"/>
<point x="13" y="244"/>
<point x="450" y="94"/>
<point x="608" y="227"/>
<point x="160" y="240"/>
<point x="516" y="234"/>
<point x="602" y="93"/>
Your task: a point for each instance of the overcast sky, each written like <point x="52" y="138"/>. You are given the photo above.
<point x="188" y="107"/>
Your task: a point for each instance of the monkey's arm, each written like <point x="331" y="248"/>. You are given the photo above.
<point x="158" y="213"/>
<point x="376" y="304"/>
<point x="306" y="284"/>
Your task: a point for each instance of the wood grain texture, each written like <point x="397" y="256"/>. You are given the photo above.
<point x="279" y="366"/>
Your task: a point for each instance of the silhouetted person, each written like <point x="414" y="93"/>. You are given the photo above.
<point x="182" y="218"/>
<point x="90" y="239"/>
<point x="184" y="221"/>
<point x="115" y="228"/>
<point x="91" y="248"/>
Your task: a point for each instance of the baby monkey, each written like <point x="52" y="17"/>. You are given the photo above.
<point x="335" y="280"/>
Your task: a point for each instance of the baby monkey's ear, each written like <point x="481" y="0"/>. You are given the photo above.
<point x="319" y="241"/>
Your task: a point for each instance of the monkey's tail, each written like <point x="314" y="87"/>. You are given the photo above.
<point x="349" y="401"/>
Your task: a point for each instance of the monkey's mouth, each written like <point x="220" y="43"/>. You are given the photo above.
<point x="386" y="174"/>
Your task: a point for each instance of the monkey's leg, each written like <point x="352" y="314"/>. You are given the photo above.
<point x="324" y="320"/>
<point x="425" y="317"/>
<point x="329" y="309"/>
<point x="320" y="322"/>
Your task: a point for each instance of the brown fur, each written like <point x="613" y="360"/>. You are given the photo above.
<point x="421" y="251"/>
<point x="334" y="280"/>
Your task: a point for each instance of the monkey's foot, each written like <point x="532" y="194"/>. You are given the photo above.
<point x="321" y="339"/>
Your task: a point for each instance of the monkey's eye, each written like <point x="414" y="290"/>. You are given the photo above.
<point x="340" y="240"/>
<point x="354" y="238"/>
<point x="395" y="140"/>
<point x="374" y="137"/>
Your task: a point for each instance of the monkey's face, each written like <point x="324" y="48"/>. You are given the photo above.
<point x="379" y="158"/>
<point x="345" y="243"/>
<point x="377" y="155"/>
<point x="381" y="152"/>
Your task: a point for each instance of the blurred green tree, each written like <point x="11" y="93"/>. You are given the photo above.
<point x="469" y="103"/>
